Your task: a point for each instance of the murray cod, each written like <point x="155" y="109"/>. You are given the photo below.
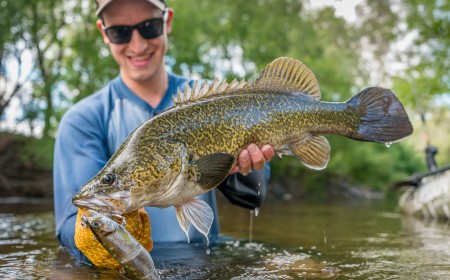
<point x="191" y="148"/>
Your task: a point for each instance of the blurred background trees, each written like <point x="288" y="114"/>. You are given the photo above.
<point x="51" y="56"/>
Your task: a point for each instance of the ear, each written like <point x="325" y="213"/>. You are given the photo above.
<point x="169" y="20"/>
<point x="99" y="24"/>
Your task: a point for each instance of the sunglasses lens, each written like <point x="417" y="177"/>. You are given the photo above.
<point x="151" y="29"/>
<point x="148" y="29"/>
<point x="119" y="34"/>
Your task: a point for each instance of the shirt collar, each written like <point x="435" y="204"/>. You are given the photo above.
<point x="125" y="92"/>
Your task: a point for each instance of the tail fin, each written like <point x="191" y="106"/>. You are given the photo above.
<point x="383" y="118"/>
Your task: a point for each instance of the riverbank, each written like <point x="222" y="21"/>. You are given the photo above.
<point x="20" y="176"/>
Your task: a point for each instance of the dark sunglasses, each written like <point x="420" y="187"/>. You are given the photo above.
<point x="149" y="29"/>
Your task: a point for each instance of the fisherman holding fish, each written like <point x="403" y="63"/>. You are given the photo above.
<point x="93" y="129"/>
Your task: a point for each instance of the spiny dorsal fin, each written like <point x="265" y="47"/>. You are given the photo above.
<point x="206" y="90"/>
<point x="288" y="75"/>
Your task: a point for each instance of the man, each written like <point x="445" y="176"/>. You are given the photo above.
<point x="92" y="130"/>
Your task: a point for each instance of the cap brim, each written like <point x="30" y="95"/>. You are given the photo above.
<point x="160" y="5"/>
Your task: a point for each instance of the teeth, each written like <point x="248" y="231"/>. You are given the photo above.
<point x="142" y="57"/>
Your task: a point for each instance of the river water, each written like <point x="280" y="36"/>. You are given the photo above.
<point x="286" y="240"/>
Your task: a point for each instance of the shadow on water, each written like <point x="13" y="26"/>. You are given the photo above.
<point x="290" y="240"/>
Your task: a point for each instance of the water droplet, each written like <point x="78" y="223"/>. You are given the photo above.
<point x="259" y="187"/>
<point x="250" y="235"/>
<point x="388" y="144"/>
<point x="208" y="251"/>
<point x="256" y="212"/>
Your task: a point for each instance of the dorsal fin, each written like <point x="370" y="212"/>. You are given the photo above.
<point x="288" y="75"/>
<point x="205" y="90"/>
<point x="283" y="75"/>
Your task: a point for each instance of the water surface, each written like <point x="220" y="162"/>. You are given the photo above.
<point x="287" y="240"/>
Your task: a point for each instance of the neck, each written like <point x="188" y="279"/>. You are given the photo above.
<point x="151" y="90"/>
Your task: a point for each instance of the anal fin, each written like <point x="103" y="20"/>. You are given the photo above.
<point x="314" y="152"/>
<point x="195" y="212"/>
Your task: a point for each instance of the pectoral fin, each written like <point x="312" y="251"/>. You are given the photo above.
<point x="198" y="213"/>
<point x="209" y="171"/>
<point x="314" y="152"/>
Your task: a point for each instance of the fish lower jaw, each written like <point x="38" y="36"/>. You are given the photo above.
<point x="103" y="206"/>
<point x="82" y="204"/>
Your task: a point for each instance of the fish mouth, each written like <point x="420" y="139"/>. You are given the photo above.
<point x="96" y="205"/>
<point x="117" y="203"/>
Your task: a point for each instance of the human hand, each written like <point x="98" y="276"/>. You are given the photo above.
<point x="253" y="158"/>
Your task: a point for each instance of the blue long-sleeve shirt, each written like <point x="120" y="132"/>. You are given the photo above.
<point x="88" y="135"/>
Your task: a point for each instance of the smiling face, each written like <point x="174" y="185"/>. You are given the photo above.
<point x="141" y="60"/>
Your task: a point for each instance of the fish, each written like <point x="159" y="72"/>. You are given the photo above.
<point x="190" y="148"/>
<point x="121" y="245"/>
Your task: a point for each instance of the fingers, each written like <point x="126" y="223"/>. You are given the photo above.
<point x="253" y="158"/>
<point x="244" y="162"/>
<point x="268" y="152"/>
<point x="257" y="159"/>
<point x="234" y="169"/>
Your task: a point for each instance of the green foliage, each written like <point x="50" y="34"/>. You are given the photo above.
<point x="364" y="164"/>
<point x="28" y="151"/>
<point x="427" y="75"/>
<point x="10" y="53"/>
<point x="425" y="83"/>
<point x="31" y="30"/>
<point x="38" y="153"/>
<point x="87" y="63"/>
<point x="378" y="26"/>
<point x="225" y="34"/>
<point x="236" y="39"/>
<point x="373" y="164"/>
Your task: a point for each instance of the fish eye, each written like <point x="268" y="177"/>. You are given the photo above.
<point x="108" y="178"/>
<point x="95" y="224"/>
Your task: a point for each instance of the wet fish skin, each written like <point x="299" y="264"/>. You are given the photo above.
<point x="190" y="148"/>
<point x="135" y="259"/>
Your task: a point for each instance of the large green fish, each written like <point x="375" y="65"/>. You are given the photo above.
<point x="191" y="148"/>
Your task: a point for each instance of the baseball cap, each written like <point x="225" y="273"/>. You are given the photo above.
<point x="160" y="4"/>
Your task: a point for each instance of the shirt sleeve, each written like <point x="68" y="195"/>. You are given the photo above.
<point x="79" y="153"/>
